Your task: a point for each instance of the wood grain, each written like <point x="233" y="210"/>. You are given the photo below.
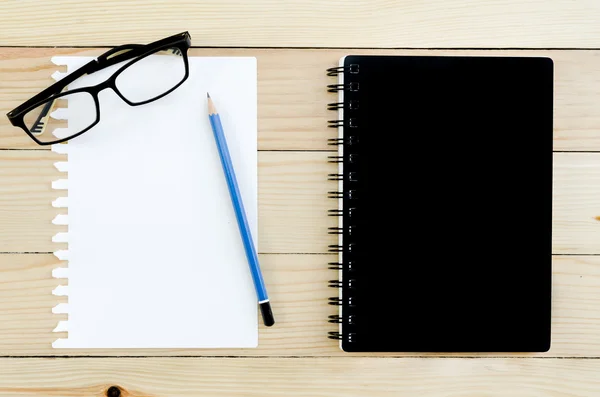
<point x="306" y="23"/>
<point x="260" y="377"/>
<point x="299" y="292"/>
<point x="26" y="197"/>
<point x="292" y="97"/>
<point x="297" y="287"/>
<point x="293" y="202"/>
<point x="295" y="358"/>
<point x="576" y="214"/>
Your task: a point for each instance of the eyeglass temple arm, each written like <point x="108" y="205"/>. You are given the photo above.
<point x="105" y="60"/>
<point x="118" y="54"/>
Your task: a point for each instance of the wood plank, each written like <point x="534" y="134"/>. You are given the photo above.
<point x="298" y="290"/>
<point x="293" y="202"/>
<point x="262" y="377"/>
<point x="297" y="287"/>
<point x="26" y="197"/>
<point x="576" y="214"/>
<point x="306" y="23"/>
<point x="292" y="95"/>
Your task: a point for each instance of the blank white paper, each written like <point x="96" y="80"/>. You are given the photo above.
<point x="155" y="258"/>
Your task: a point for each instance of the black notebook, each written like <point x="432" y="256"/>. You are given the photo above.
<point x="444" y="203"/>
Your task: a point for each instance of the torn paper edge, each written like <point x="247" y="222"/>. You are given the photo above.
<point x="61" y="274"/>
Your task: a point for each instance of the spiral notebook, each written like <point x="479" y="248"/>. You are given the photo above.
<point x="444" y="203"/>
<point x="154" y="258"/>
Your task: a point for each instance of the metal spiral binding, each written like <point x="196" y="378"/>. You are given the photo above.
<point x="335" y="87"/>
<point x="352" y="123"/>
<point x="335" y="319"/>
<point x="335" y="248"/>
<point x="351" y="141"/>
<point x="352" y="69"/>
<point x="335" y="195"/>
<point x="335" y="71"/>
<point x="335" y="213"/>
<point x="352" y="87"/>
<point x="335" y="266"/>
<point x="335" y="284"/>
<point x="352" y="105"/>
<point x="351" y="336"/>
<point x="335" y="123"/>
<point x="349" y="266"/>
<point x="339" y="284"/>
<point x="335" y="301"/>
<point x="349" y="122"/>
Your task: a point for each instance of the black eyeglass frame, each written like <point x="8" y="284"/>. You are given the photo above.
<point x="182" y="41"/>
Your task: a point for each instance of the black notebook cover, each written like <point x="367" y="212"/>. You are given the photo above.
<point x="445" y="204"/>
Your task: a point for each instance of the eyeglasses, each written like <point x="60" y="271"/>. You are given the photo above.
<point x="170" y="66"/>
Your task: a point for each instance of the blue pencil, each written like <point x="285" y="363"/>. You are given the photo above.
<point x="240" y="214"/>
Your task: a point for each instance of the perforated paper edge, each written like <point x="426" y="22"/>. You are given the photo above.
<point x="61" y="274"/>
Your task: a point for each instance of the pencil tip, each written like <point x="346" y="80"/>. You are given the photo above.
<point x="211" y="105"/>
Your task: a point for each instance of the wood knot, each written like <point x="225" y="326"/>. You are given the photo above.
<point x="113" y="391"/>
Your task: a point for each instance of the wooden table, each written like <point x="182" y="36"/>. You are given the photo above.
<point x="295" y="41"/>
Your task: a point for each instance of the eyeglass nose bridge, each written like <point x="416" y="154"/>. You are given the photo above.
<point x="96" y="89"/>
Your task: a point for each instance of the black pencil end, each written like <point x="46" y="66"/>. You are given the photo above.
<point x="207" y="95"/>
<point x="267" y="313"/>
